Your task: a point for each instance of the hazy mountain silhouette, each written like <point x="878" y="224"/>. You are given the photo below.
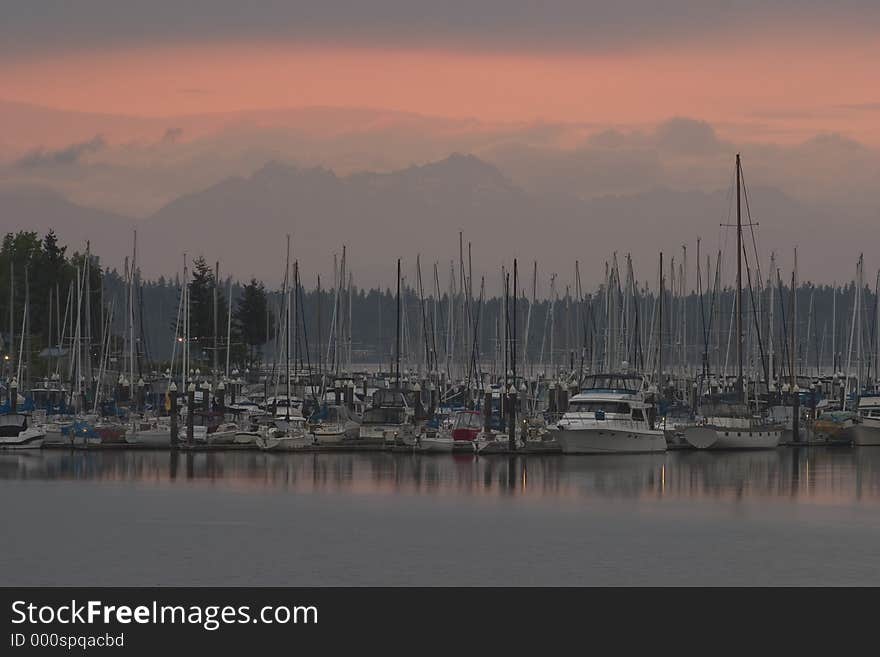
<point x="38" y="209"/>
<point x="420" y="209"/>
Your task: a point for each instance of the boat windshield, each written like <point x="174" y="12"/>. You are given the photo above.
<point x="468" y="421"/>
<point x="12" y="424"/>
<point x="16" y="420"/>
<point x="384" y="415"/>
<point x="390" y="397"/>
<point x="614" y="382"/>
<point x="594" y="405"/>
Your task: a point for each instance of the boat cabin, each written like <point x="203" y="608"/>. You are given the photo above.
<point x="392" y="397"/>
<point x="618" y="383"/>
<point x="385" y="415"/>
<point x="12" y="424"/>
<point x="608" y="408"/>
<point x="330" y="414"/>
<point x="466" y="425"/>
<point x="869" y="406"/>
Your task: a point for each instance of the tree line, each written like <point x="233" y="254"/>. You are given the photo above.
<point x="43" y="275"/>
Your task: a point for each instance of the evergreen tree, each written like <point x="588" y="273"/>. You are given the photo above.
<point x="202" y="308"/>
<point x="250" y="318"/>
<point x="20" y="253"/>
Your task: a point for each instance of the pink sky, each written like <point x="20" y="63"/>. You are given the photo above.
<point x="788" y="87"/>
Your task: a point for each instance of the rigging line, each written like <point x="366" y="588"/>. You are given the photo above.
<point x="786" y="347"/>
<point x="723" y="234"/>
<point x="620" y="315"/>
<point x="436" y="309"/>
<point x="475" y="362"/>
<point x="638" y="354"/>
<point x="305" y="333"/>
<point x="754" y="314"/>
<point x="636" y="342"/>
<point x="716" y="294"/>
<point x="702" y="306"/>
<point x="580" y="294"/>
<point x="751" y="226"/>
<point x="424" y="314"/>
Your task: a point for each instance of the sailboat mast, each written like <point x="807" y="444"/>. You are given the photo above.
<point x="397" y="335"/>
<point x="771" y="368"/>
<point x="320" y="334"/>
<point x="131" y="283"/>
<point x="24" y="330"/>
<point x="184" y="354"/>
<point x="11" y="313"/>
<point x="287" y="326"/>
<point x="660" y="328"/>
<point x="514" y="345"/>
<point x="228" y="324"/>
<point x="739" y="328"/>
<point x="834" y="328"/>
<point x="860" y="281"/>
<point x="88" y="312"/>
<point x="214" y="318"/>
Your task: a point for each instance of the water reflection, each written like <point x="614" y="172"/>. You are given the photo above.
<point x="808" y="475"/>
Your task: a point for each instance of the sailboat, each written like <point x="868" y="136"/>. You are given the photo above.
<point x="142" y="429"/>
<point x="734" y="424"/>
<point x="865" y="429"/>
<point x="458" y="433"/>
<point x="295" y="436"/>
<point x="390" y="420"/>
<point x="332" y="424"/>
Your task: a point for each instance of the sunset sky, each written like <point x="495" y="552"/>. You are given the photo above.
<point x="784" y="70"/>
<point x="126" y="107"/>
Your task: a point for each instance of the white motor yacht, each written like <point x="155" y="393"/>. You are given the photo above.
<point x="610" y="416"/>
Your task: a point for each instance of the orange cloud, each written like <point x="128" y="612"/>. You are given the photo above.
<point x="792" y="89"/>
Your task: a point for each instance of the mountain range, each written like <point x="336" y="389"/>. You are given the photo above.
<point x="242" y="221"/>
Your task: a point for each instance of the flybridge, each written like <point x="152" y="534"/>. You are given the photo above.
<point x="613" y="383"/>
<point x="390" y="397"/>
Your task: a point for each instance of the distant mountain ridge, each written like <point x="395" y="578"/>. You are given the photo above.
<point x="242" y="222"/>
<point x="40" y="209"/>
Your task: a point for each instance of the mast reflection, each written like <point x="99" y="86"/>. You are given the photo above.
<point x="815" y="475"/>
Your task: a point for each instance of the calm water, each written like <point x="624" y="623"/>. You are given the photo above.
<point x="151" y="518"/>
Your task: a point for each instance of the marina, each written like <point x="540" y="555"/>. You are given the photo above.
<point x="640" y="368"/>
<point x="326" y="324"/>
<point x="681" y="431"/>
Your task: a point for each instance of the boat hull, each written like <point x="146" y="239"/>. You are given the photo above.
<point x="437" y="444"/>
<point x="55" y="437"/>
<point x="275" y="443"/>
<point x="609" y="441"/>
<point x="329" y="437"/>
<point x="27" y="439"/>
<point x="712" y="437"/>
<point x="222" y="437"/>
<point x="865" y="434"/>
<point x="464" y="446"/>
<point x="246" y="438"/>
<point x="149" y="438"/>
